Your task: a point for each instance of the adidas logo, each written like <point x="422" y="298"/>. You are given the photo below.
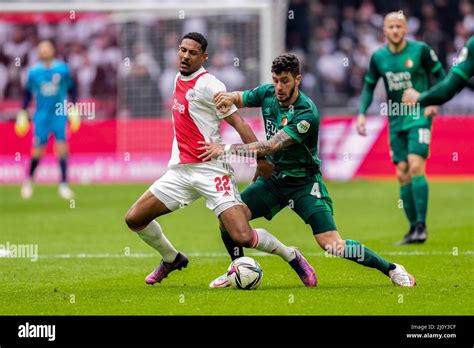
<point x="226" y="193"/>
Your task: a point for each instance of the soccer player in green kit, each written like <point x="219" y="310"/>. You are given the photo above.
<point x="292" y="128"/>
<point x="456" y="80"/>
<point x="405" y="64"/>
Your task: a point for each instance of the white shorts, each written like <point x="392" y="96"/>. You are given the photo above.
<point x="182" y="184"/>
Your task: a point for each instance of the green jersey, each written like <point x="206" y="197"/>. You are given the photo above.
<point x="299" y="120"/>
<point x="464" y="66"/>
<point x="409" y="68"/>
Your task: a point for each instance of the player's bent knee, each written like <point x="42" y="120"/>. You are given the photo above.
<point x="133" y="221"/>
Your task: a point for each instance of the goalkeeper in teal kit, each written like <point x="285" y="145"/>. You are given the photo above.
<point x="292" y="127"/>
<point x="49" y="81"/>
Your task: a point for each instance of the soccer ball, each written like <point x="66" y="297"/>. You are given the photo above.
<point x="245" y="273"/>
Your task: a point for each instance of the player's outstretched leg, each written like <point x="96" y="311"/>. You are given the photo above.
<point x="235" y="222"/>
<point x="352" y="250"/>
<point x="140" y="218"/>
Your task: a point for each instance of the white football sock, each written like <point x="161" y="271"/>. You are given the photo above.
<point x="154" y="237"/>
<point x="270" y="244"/>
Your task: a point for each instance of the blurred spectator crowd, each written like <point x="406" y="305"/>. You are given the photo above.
<point x="131" y="64"/>
<point x="337" y="38"/>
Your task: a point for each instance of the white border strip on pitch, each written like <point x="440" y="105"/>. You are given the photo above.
<point x="259" y="254"/>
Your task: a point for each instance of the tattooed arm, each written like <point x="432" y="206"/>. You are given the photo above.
<point x="269" y="147"/>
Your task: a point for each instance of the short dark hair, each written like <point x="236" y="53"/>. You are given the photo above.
<point x="286" y="62"/>
<point x="198" y="37"/>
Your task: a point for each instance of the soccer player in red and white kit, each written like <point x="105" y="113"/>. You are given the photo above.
<point x="196" y="119"/>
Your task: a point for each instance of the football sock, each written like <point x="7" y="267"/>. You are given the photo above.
<point x="359" y="253"/>
<point x="406" y="196"/>
<point x="264" y="241"/>
<point x="63" y="166"/>
<point x="420" y="197"/>
<point x="234" y="251"/>
<point x="33" y="165"/>
<point x="154" y="237"/>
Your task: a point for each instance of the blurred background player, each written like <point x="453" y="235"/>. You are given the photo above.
<point x="403" y="64"/>
<point x="188" y="177"/>
<point x="49" y="81"/>
<point x="292" y="128"/>
<point x="456" y="80"/>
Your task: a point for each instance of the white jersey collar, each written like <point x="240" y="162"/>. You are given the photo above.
<point x="193" y="75"/>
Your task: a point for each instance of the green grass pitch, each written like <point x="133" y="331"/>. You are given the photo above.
<point x="91" y="264"/>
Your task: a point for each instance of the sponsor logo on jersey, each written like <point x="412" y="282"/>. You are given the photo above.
<point x="408" y="63"/>
<point x="270" y="129"/>
<point x="177" y="106"/>
<point x="398" y="81"/>
<point x="303" y="126"/>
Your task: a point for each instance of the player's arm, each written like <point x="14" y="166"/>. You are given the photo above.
<point x="225" y="100"/>
<point x="248" y="98"/>
<point x="269" y="147"/>
<point x="73" y="113"/>
<point x="438" y="94"/>
<point x="264" y="168"/>
<point x="367" y="96"/>
<point x="22" y="124"/>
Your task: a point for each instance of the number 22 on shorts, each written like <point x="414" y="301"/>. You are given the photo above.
<point x="222" y="183"/>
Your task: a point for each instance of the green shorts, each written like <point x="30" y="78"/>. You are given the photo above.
<point x="308" y="197"/>
<point x="415" y="140"/>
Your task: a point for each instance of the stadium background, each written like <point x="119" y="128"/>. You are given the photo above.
<point x="124" y="65"/>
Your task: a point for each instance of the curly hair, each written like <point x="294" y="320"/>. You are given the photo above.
<point x="198" y="37"/>
<point x="286" y="62"/>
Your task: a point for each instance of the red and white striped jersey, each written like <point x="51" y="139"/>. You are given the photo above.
<point x="195" y="116"/>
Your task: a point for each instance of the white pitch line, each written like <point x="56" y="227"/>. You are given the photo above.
<point x="259" y="254"/>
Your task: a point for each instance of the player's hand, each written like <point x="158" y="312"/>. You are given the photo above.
<point x="224" y="101"/>
<point x="264" y="168"/>
<point x="361" y="125"/>
<point x="410" y="96"/>
<point x="431" y="111"/>
<point x="22" y="124"/>
<point x="74" y="119"/>
<point x="211" y="150"/>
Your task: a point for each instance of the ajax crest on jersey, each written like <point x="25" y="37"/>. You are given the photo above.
<point x="244" y="273"/>
<point x="190" y="94"/>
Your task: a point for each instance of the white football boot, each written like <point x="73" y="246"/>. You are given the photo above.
<point x="220" y="282"/>
<point x="26" y="189"/>
<point x="400" y="277"/>
<point x="65" y="192"/>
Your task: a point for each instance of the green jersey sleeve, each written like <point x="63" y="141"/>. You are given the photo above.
<point x="254" y="97"/>
<point x="465" y="62"/>
<point x="430" y="60"/>
<point x="302" y="126"/>
<point x="373" y="74"/>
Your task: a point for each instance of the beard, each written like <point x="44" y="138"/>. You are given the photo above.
<point x="289" y="97"/>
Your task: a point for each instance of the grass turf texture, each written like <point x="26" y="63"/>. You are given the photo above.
<point x="107" y="282"/>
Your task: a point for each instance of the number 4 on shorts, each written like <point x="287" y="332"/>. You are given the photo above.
<point x="315" y="190"/>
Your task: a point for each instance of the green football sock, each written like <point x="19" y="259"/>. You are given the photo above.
<point x="406" y="195"/>
<point x="359" y="253"/>
<point x="420" y="197"/>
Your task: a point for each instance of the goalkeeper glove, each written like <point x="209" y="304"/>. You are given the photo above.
<point x="74" y="119"/>
<point x="22" y="124"/>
